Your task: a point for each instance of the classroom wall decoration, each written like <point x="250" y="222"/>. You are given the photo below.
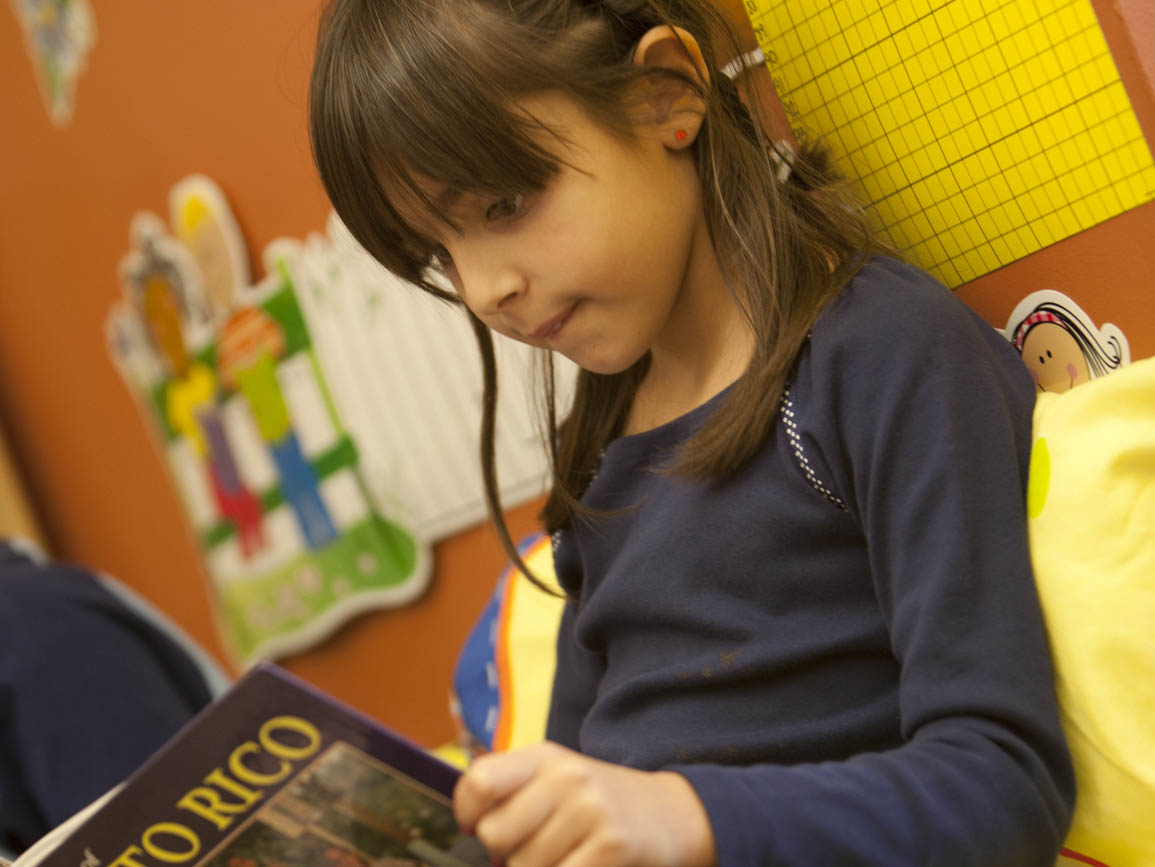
<point x="227" y="373"/>
<point x="59" y="35"/>
<point x="320" y="425"/>
<point x="978" y="131"/>
<point x="1060" y="344"/>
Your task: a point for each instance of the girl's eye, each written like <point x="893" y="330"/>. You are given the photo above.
<point x="439" y="258"/>
<point x="505" y="208"/>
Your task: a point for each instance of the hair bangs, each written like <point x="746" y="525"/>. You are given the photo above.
<point x="389" y="123"/>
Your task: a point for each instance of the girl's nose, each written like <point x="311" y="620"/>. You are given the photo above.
<point x="504" y="286"/>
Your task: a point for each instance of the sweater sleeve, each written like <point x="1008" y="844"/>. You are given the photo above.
<point x="88" y="690"/>
<point x="918" y="415"/>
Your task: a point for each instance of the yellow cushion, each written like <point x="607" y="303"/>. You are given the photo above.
<point x="1091" y="505"/>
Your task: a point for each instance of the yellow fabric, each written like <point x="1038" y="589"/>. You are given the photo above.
<point x="529" y="624"/>
<point x="1091" y="505"/>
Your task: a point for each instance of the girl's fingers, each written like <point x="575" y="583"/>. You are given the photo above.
<point x="516" y="825"/>
<point x="587" y="854"/>
<point x="491" y="779"/>
<point x="546" y="806"/>
<point x="566" y="807"/>
<point x="549" y="844"/>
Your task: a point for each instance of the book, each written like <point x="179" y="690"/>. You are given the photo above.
<point x="275" y="773"/>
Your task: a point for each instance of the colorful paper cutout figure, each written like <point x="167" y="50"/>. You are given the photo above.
<point x="59" y="34"/>
<point x="203" y="221"/>
<point x="1060" y="344"/>
<point x="250" y="344"/>
<point x="269" y="476"/>
<point x="161" y="282"/>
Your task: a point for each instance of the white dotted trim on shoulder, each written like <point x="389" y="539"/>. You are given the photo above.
<point x="786" y="407"/>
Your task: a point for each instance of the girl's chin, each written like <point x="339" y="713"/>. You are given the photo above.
<point x="602" y="363"/>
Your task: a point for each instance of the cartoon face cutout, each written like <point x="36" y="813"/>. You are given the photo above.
<point x="1060" y="344"/>
<point x="1054" y="358"/>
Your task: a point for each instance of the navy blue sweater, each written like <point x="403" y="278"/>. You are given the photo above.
<point x="841" y="646"/>
<point x="88" y="690"/>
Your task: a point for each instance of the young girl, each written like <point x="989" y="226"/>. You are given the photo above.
<point x="788" y="497"/>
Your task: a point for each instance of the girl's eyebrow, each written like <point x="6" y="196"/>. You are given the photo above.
<point x="440" y="195"/>
<point x="447" y="198"/>
<point x="422" y="205"/>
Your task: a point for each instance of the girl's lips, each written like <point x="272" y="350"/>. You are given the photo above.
<point x="551" y="326"/>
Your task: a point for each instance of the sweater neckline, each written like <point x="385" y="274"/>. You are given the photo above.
<point x="632" y="447"/>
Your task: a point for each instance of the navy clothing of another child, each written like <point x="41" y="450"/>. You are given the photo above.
<point x="840" y="646"/>
<point x="88" y="690"/>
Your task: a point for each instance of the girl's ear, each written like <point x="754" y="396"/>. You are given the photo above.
<point x="678" y="109"/>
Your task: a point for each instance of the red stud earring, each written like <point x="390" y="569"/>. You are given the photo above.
<point x="680" y="135"/>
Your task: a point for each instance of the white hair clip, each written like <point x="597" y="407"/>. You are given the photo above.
<point x="738" y="65"/>
<point x="782" y="155"/>
<point x="782" y="152"/>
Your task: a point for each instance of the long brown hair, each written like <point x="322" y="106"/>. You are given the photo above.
<point x="407" y="89"/>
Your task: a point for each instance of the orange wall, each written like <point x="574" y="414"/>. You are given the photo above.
<point x="218" y="86"/>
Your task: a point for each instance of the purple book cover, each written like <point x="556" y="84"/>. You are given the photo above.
<point x="276" y="774"/>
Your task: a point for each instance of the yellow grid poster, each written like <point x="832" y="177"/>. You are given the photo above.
<point x="978" y="131"/>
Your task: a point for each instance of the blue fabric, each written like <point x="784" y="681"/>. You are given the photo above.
<point x="841" y="645"/>
<point x="475" y="676"/>
<point x="88" y="690"/>
<point x="216" y="678"/>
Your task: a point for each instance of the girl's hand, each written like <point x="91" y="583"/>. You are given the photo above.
<point x="547" y="806"/>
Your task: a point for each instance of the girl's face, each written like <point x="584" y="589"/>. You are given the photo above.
<point x="603" y="264"/>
